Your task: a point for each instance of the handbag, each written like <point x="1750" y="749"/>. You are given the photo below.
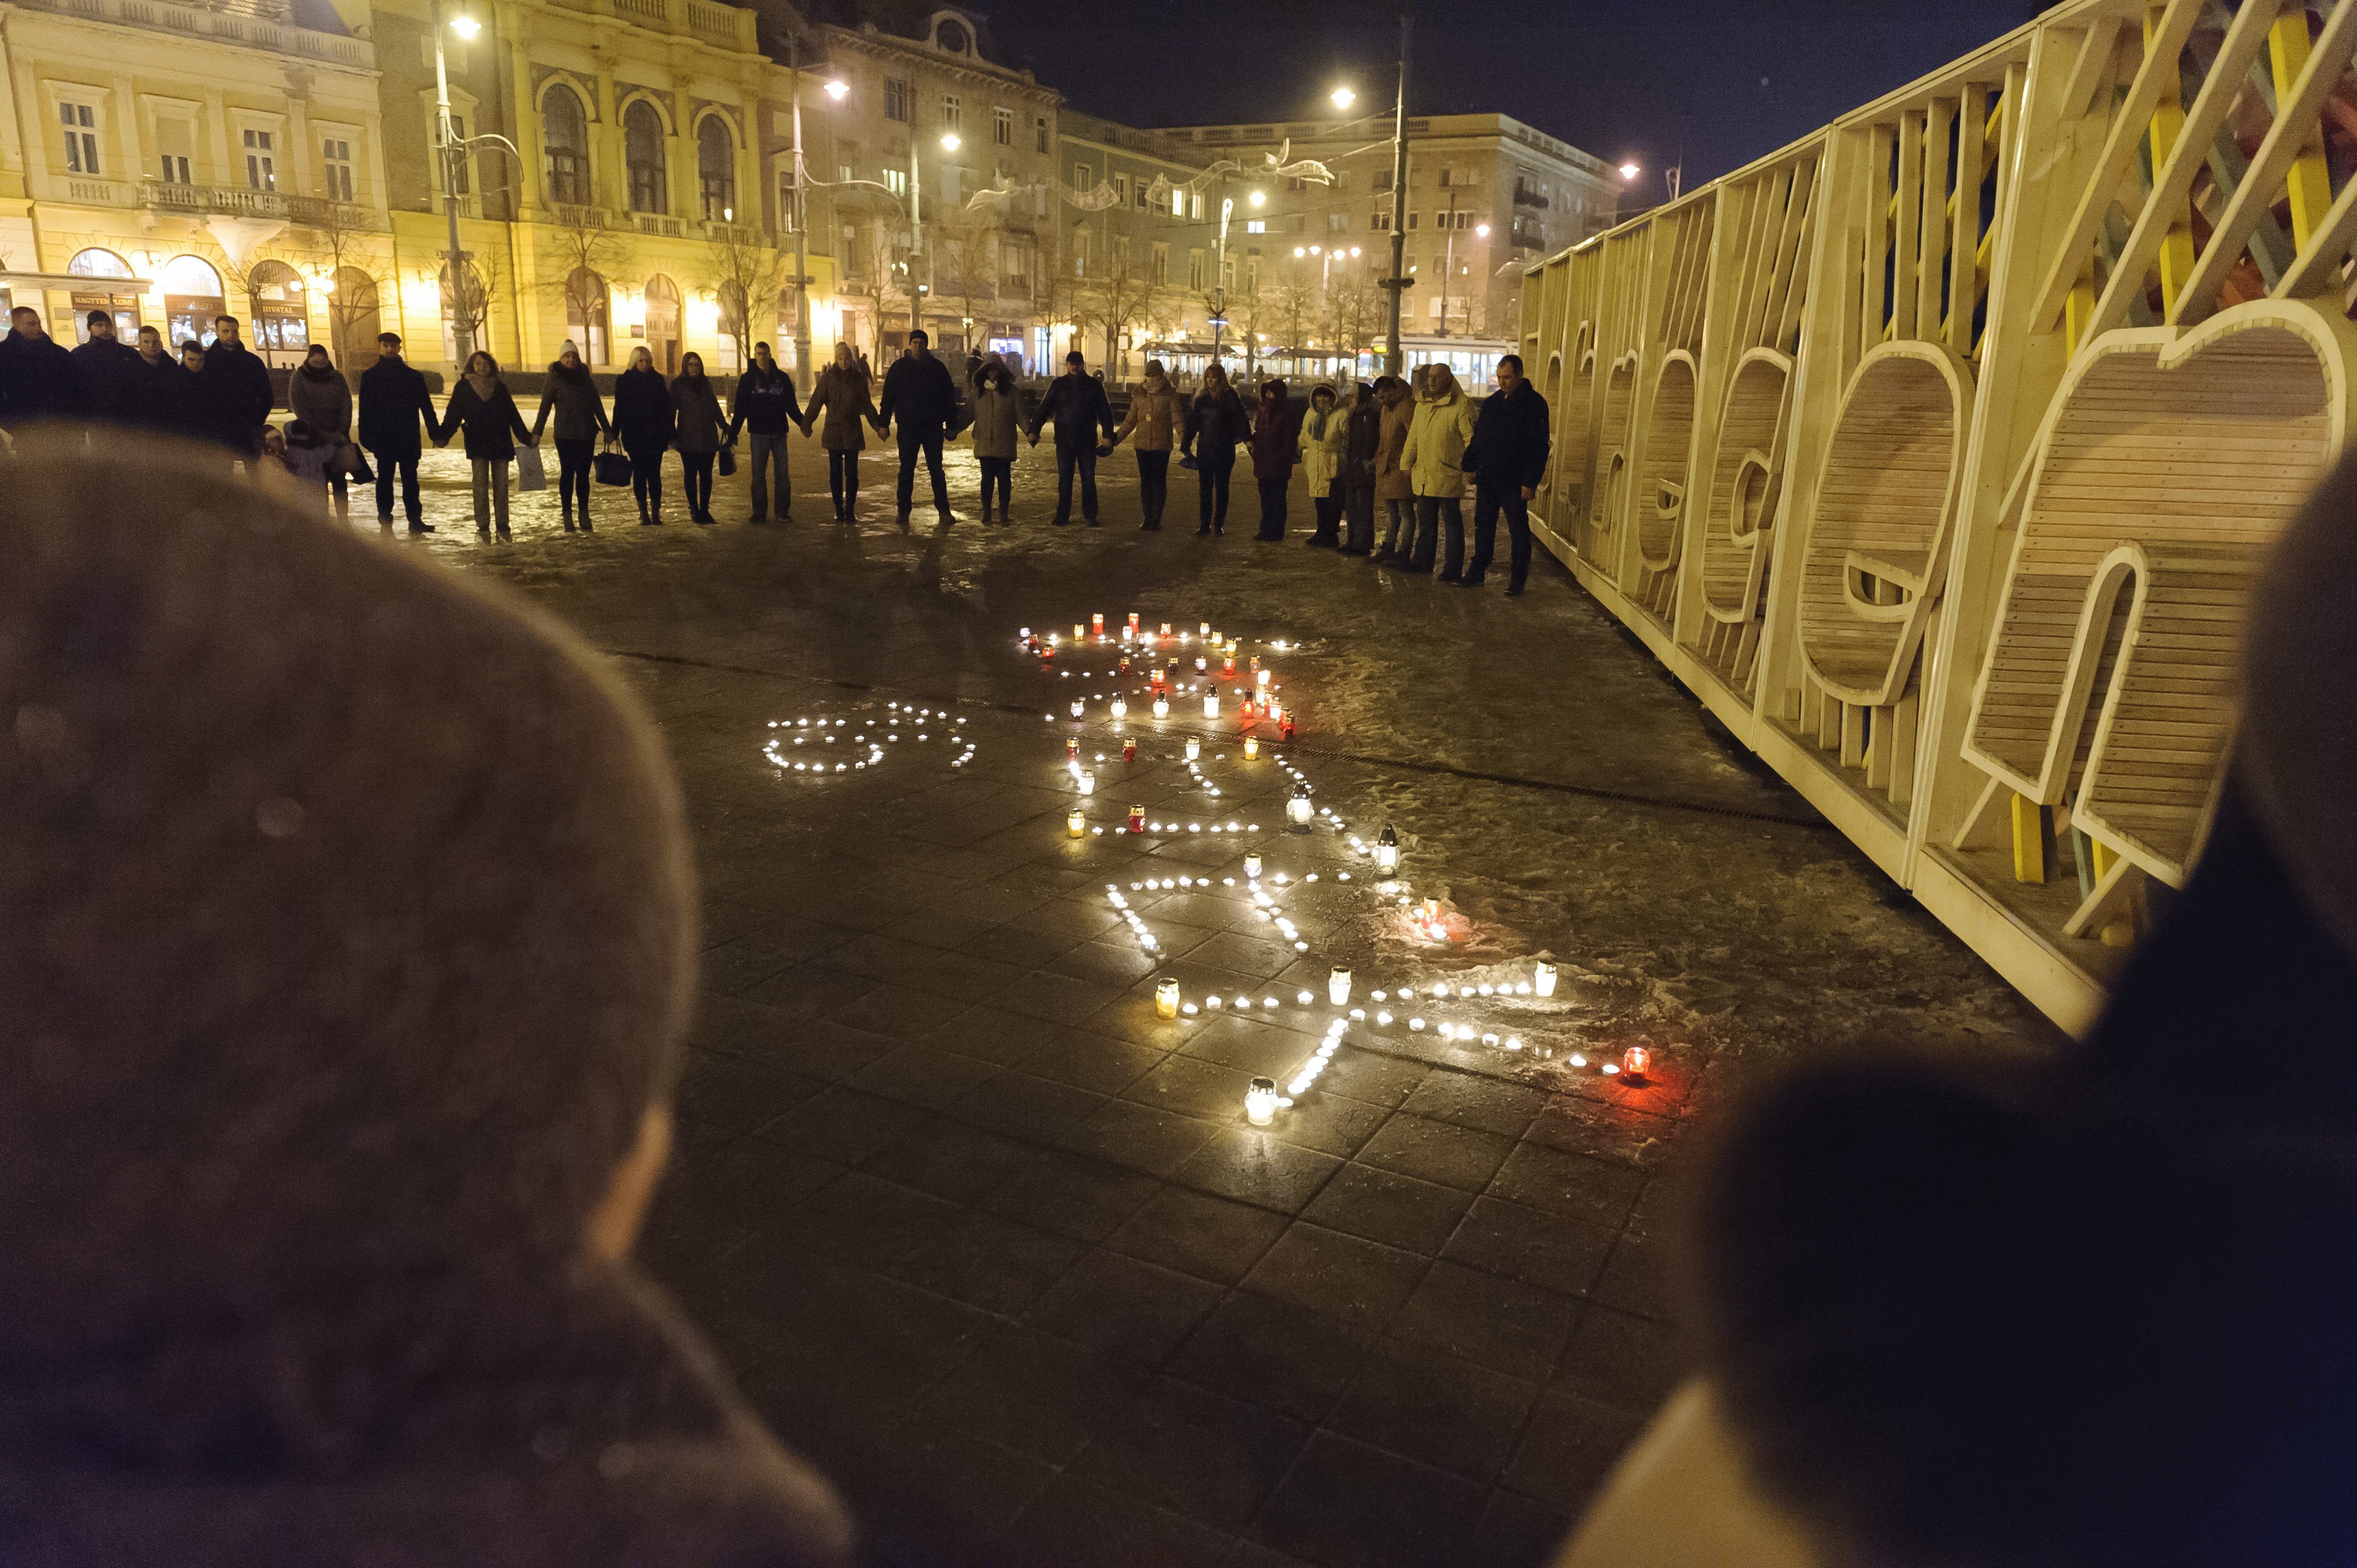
<point x="610" y="467"/>
<point x="728" y="461"/>
<point x="354" y="462"/>
<point x="530" y="474"/>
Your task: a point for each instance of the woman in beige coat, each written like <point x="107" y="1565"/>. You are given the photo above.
<point x="1153" y="415"/>
<point x="1393" y="486"/>
<point x="1434" y="457"/>
<point x="844" y="393"/>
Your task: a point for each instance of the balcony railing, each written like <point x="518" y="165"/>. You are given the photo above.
<point x="237" y="201"/>
<point x="1525" y="197"/>
<point x="655" y="224"/>
<point x="223" y="26"/>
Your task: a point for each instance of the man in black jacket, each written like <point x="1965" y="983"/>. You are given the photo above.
<point x="1077" y="402"/>
<point x="109" y="368"/>
<point x="917" y="391"/>
<point x="39" y="379"/>
<point x="766" y="402"/>
<point x="393" y="399"/>
<point x="1505" y="460"/>
<point x="155" y="383"/>
<point x="237" y="384"/>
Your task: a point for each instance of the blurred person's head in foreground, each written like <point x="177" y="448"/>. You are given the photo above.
<point x="346" y="943"/>
<point x="2101" y="1310"/>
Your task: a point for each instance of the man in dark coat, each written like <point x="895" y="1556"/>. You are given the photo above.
<point x="109" y="372"/>
<point x="917" y="392"/>
<point x="766" y="402"/>
<point x="393" y="399"/>
<point x="155" y="383"/>
<point x="238" y="384"/>
<point x="1076" y="401"/>
<point x="1505" y="460"/>
<point x="39" y="379"/>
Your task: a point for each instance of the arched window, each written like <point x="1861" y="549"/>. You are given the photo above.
<point x="642" y="149"/>
<point x="95" y="262"/>
<point x="565" y="136"/>
<point x="715" y="170"/>
<point x="585" y="319"/>
<point x="276" y="301"/>
<point x="352" y="308"/>
<point x="662" y="323"/>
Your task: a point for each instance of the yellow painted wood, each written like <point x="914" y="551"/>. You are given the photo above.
<point x="2033" y="839"/>
<point x="2308" y="182"/>
<point x="2167" y="125"/>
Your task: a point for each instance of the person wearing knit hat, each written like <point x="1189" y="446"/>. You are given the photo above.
<point x="347" y="929"/>
<point x="2092" y="1310"/>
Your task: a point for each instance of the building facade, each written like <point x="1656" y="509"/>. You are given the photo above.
<point x="626" y="176"/>
<point x="1487" y="196"/>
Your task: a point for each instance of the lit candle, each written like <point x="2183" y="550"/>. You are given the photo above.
<point x="1129" y="751"/>
<point x="1297" y="810"/>
<point x="1387" y="850"/>
<point x="1260" y="1101"/>
<point x="1194" y="748"/>
<point x="1161" y="707"/>
<point x="1338" y="985"/>
<point x="1252" y="748"/>
<point x="1260" y="679"/>
<point x="1088" y="782"/>
<point x="1228" y="666"/>
<point x="1078" y="631"/>
<point x="1166" y="628"/>
<point x="1636" y="1061"/>
<point x="1133" y="621"/>
<point x="1210" y="705"/>
<point x="1121" y="707"/>
<point x="1543" y="978"/>
<point x="1166" y="999"/>
<point x="1205" y="629"/>
<point x="1078" y="823"/>
<point x="1096" y="623"/>
<point x="1071" y="748"/>
<point x="1201" y="665"/>
<point x="1137" y="819"/>
<point x="1252" y="868"/>
<point x="1080" y="708"/>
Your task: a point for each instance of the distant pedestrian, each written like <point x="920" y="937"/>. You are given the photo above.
<point x="485" y="411"/>
<point x="1276" y="449"/>
<point x="919" y="394"/>
<point x="1360" y="445"/>
<point x="997" y="426"/>
<point x="155" y="383"/>
<point x="765" y="403"/>
<point x="1325" y="434"/>
<point x="238" y="382"/>
<point x="701" y="431"/>
<point x="393" y="398"/>
<point x="645" y="420"/>
<point x="109" y="370"/>
<point x="321" y="401"/>
<point x="1154" y="420"/>
<point x="1077" y="406"/>
<point x="1506" y="461"/>
<point x="1434" y="457"/>
<point x="1395" y="491"/>
<point x="39" y="379"/>
<point x="844" y="392"/>
<point x="1215" y="425"/>
<point x="570" y="393"/>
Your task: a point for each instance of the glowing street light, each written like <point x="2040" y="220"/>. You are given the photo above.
<point x="1629" y="171"/>
<point x="1344" y="98"/>
<point x="1260" y="199"/>
<point x="949" y="141"/>
<point x="838" y="90"/>
<point x="1480" y="231"/>
<point x="465" y="27"/>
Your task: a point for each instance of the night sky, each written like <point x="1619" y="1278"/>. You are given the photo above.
<point x="1729" y="79"/>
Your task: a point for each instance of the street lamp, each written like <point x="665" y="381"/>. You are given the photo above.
<point x="1629" y="171"/>
<point x="1344" y="98"/>
<point x="838" y="90"/>
<point x="462" y="332"/>
<point x="1259" y="199"/>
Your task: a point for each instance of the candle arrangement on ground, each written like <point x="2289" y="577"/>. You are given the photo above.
<point x="1501" y="1014"/>
<point x="800" y="745"/>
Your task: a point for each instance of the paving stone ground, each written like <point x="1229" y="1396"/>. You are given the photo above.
<point x="994" y="1244"/>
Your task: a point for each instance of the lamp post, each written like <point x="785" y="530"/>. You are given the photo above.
<point x="798" y="218"/>
<point x="462" y="332"/>
<point x="1220" y="276"/>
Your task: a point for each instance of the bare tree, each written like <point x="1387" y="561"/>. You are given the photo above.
<point x="1353" y="315"/>
<point x="1292" y="307"/>
<point x="343" y="243"/>
<point x="466" y="297"/>
<point x="745" y="268"/>
<point x="588" y="257"/>
<point x="1248" y="309"/>
<point x="869" y="261"/>
<point x="1124" y="295"/>
<point x="969" y="246"/>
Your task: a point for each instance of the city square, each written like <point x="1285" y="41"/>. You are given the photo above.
<point x="859" y="785"/>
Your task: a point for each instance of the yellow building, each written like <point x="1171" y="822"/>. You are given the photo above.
<point x="168" y="162"/>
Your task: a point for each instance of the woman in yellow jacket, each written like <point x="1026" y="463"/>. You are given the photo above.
<point x="1325" y="431"/>
<point x="1435" y="459"/>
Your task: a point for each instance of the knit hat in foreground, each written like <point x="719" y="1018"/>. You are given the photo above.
<point x="345" y="918"/>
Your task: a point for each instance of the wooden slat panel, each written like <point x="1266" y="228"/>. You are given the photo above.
<point x="1964" y="268"/>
